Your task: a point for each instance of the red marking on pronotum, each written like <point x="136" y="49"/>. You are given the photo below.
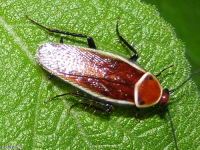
<point x="104" y="75"/>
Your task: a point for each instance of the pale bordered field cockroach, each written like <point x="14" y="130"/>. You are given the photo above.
<point x="108" y="77"/>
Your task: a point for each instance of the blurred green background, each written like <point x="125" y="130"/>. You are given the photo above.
<point x="184" y="16"/>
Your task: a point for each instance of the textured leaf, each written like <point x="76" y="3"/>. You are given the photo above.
<point x="29" y="123"/>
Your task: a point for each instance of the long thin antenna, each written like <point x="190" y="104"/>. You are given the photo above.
<point x="172" y="127"/>
<point x="163" y="70"/>
<point x="170" y="118"/>
<point x="173" y="90"/>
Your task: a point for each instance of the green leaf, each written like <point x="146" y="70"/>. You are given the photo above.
<point x="28" y="123"/>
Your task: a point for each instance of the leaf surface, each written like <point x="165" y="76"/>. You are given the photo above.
<point x="29" y="123"/>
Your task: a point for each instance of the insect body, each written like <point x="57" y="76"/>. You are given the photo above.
<point x="101" y="74"/>
<point x="104" y="75"/>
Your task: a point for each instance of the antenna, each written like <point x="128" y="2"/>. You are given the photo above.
<point x="172" y="127"/>
<point x="191" y="76"/>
